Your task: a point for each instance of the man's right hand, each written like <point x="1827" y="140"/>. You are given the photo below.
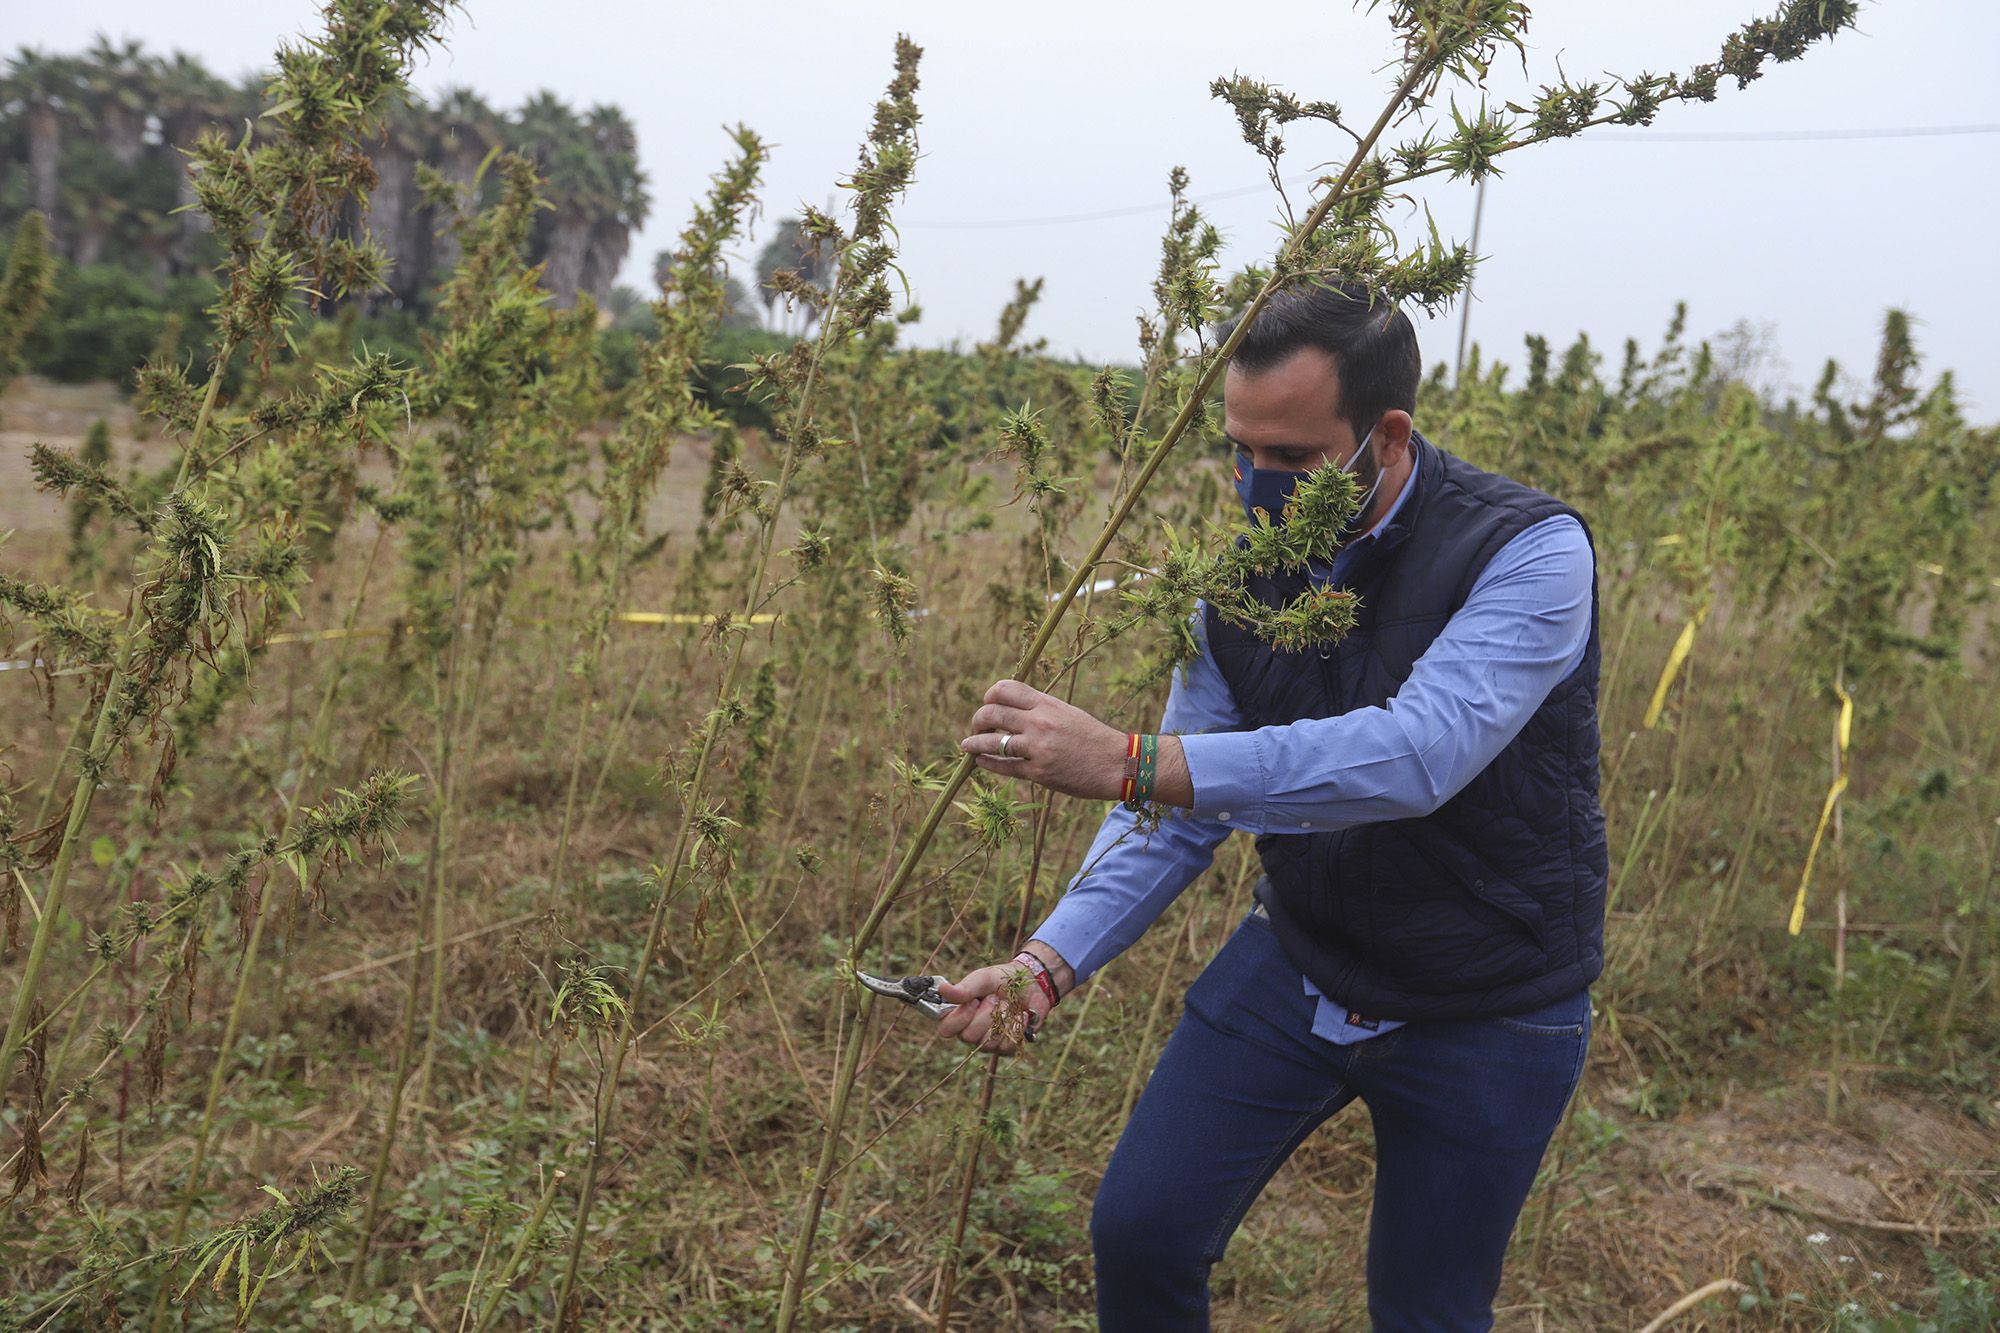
<point x="994" y="1009"/>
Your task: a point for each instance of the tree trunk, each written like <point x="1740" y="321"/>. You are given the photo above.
<point x="44" y="166"/>
<point x="90" y="238"/>
<point x="461" y="167"/>
<point x="123" y="134"/>
<point x="185" y="255"/>
<point x="178" y="131"/>
<point x="395" y="221"/>
<point x="565" y="254"/>
<point x="610" y="241"/>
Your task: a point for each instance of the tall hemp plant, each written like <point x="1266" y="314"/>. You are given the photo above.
<point x="863" y="255"/>
<point x="1346" y="234"/>
<point x="308" y="475"/>
<point x="1860" y="568"/>
<point x="513" y="386"/>
<point x="25" y="286"/>
<point x="1105" y="417"/>
<point x="301" y="480"/>
<point x="505" y="388"/>
<point x="274" y="198"/>
<point x="659" y="408"/>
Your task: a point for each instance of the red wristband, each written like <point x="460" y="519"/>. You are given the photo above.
<point x="1040" y="971"/>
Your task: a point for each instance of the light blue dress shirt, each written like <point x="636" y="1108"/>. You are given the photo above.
<point x="1523" y="628"/>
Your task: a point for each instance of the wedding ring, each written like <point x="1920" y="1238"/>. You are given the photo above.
<point x="1006" y="739"/>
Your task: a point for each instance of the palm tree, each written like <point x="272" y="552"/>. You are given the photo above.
<point x="623" y="204"/>
<point x="548" y="131"/>
<point x="120" y="84"/>
<point x="596" y="188"/>
<point x="738" y="310"/>
<point x="45" y="88"/>
<point x="465" y="129"/>
<point x="192" y="100"/>
<point x="622" y="301"/>
<point x="394" y="215"/>
<point x="789" y="248"/>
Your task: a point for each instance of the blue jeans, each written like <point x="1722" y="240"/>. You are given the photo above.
<point x="1462" y="1113"/>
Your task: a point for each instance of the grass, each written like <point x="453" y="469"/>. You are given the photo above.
<point x="1703" y="1090"/>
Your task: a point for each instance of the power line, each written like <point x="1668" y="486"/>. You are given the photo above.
<point x="1612" y="136"/>
<point x="1787" y="136"/>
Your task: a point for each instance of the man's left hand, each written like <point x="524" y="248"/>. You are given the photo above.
<point x="1054" y="744"/>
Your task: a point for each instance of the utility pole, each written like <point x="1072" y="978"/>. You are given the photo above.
<point x="1465" y="301"/>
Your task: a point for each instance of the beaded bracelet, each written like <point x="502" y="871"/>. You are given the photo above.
<point x="1142" y="760"/>
<point x="1040" y="971"/>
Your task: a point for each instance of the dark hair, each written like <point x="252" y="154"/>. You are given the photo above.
<point x="1372" y="343"/>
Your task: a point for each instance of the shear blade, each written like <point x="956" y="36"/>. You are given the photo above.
<point x="919" y="991"/>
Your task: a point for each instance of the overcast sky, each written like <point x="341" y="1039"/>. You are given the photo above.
<point x="1035" y="111"/>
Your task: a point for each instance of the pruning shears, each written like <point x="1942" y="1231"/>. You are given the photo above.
<point x="920" y="992"/>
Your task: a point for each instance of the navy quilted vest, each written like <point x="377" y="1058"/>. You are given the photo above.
<point x="1493" y="903"/>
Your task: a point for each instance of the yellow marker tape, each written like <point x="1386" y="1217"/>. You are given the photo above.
<point x="1843" y="732"/>
<point x="1935" y="570"/>
<point x="1675" y="659"/>
<point x="627" y="617"/>
<point x="314" y="635"/>
<point x="383" y="631"/>
<point x="685" y="618"/>
<point x="1812" y="853"/>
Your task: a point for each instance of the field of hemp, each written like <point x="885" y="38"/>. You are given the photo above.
<point x="444" y="800"/>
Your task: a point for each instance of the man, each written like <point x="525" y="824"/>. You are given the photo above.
<point x="1424" y="795"/>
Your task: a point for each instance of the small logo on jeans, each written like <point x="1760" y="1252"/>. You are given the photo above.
<point x="1355" y="1020"/>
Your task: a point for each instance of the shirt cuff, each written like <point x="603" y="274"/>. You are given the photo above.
<point x="1226" y="769"/>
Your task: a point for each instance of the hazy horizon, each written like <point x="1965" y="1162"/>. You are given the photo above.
<point x="1047" y="142"/>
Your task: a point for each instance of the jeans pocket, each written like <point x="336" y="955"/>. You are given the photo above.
<point x="1567" y="1017"/>
<point x="1244" y="989"/>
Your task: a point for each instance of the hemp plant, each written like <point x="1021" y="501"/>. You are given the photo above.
<point x="856" y="552"/>
<point x="25" y="286"/>
<point x="863" y="254"/>
<point x="1346" y="235"/>
<point x="1863" y="657"/>
<point x="660" y="407"/>
<point x="506" y="385"/>
<point x="657" y="408"/>
<point x="350" y="825"/>
<point x="274" y="199"/>
<point x="319" y="841"/>
<point x="238" y="1261"/>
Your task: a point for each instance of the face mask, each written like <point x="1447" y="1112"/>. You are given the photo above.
<point x="1270" y="489"/>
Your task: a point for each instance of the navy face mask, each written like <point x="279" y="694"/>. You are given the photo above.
<point x="1270" y="489"/>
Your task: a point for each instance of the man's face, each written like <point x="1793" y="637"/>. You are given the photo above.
<point x="1287" y="418"/>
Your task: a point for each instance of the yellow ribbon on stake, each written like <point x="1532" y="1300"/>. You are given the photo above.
<point x="1843" y="733"/>
<point x="625" y="617"/>
<point x="1675" y="660"/>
